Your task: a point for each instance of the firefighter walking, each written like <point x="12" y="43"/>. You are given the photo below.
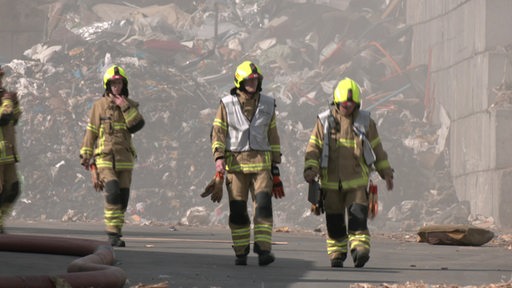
<point x="10" y="113"/>
<point x="107" y="148"/>
<point x="245" y="145"/>
<point x="343" y="149"/>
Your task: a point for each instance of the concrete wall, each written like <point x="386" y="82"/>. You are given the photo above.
<point x="22" y="26"/>
<point x="465" y="38"/>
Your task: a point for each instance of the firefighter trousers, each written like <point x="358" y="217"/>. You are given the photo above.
<point x="259" y="186"/>
<point x="9" y="190"/>
<point x="339" y="204"/>
<point x="117" y="193"/>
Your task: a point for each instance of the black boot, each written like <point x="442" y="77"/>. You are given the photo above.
<point x="336" y="263"/>
<point x="360" y="256"/>
<point x="264" y="257"/>
<point x="337" y="259"/>
<point x="115" y="240"/>
<point x="241" y="259"/>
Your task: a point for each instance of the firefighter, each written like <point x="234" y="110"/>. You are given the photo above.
<point x="343" y="149"/>
<point x="245" y="146"/>
<point x="10" y="113"/>
<point x="107" y="148"/>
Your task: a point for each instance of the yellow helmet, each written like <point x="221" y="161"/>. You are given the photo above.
<point x="247" y="70"/>
<point x="347" y="90"/>
<point x="114" y="72"/>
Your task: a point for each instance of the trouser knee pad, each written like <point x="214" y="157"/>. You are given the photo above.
<point x="10" y="194"/>
<point x="358" y="217"/>
<point x="263" y="205"/>
<point x="238" y="213"/>
<point x="113" y="193"/>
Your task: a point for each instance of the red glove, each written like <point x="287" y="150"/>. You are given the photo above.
<point x="277" y="188"/>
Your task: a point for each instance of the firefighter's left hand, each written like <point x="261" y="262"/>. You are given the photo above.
<point x="277" y="187"/>
<point x="389" y="182"/>
<point x="85" y="162"/>
<point x="119" y="100"/>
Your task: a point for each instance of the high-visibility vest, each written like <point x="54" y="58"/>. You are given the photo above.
<point x="361" y="126"/>
<point x="245" y="135"/>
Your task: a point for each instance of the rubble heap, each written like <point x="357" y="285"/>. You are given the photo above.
<point x="179" y="58"/>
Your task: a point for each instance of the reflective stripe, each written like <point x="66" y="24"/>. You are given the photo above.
<point x="220" y="123"/>
<point x="359" y="240"/>
<point x="347" y="184"/>
<point x="334" y="246"/>
<point x="241" y="237"/>
<point x="275" y="148"/>
<point x="349" y="143"/>
<point x="318" y="142"/>
<point x="248" y="167"/>
<point x="375" y="142"/>
<point x="92" y="128"/>
<point x="263" y="233"/>
<point x="383" y="164"/>
<point x="218" y="144"/>
<point x="119" y="126"/>
<point x="130" y="114"/>
<point x="114" y="218"/>
<point x="312" y="163"/>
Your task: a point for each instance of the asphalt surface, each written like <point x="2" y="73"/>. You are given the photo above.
<point x="203" y="257"/>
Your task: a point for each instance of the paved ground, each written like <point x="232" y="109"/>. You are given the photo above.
<point x="202" y="257"/>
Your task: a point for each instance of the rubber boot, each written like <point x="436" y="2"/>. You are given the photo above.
<point x="241" y="259"/>
<point x="360" y="256"/>
<point x="264" y="257"/>
<point x="115" y="240"/>
<point x="337" y="259"/>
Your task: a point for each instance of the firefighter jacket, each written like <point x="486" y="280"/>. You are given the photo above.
<point x="10" y="113"/>
<point x="346" y="168"/>
<point x="245" y="133"/>
<point x="108" y="136"/>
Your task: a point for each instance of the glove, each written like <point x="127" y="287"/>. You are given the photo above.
<point x="95" y="177"/>
<point x="214" y="188"/>
<point x="277" y="187"/>
<point x="373" y="200"/>
<point x="309" y="175"/>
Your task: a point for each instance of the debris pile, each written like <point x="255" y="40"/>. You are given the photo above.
<point x="180" y="58"/>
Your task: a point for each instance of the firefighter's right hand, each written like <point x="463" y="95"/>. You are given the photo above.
<point x="317" y="210"/>
<point x="220" y="165"/>
<point x="85" y="162"/>
<point x="119" y="100"/>
<point x="13" y="96"/>
<point x="309" y="175"/>
<point x="95" y="178"/>
<point x="389" y="182"/>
